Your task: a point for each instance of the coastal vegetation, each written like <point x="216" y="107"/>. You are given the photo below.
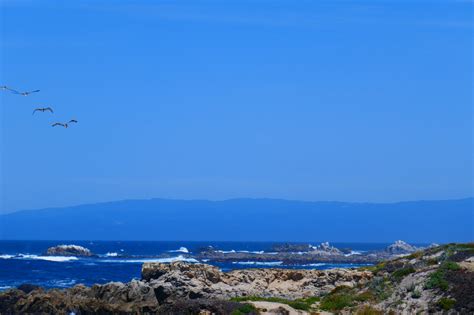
<point x="436" y="279"/>
<point x="304" y="304"/>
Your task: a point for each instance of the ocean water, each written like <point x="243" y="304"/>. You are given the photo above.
<point x="24" y="262"/>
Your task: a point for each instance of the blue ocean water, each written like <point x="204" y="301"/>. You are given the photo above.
<point x="24" y="262"/>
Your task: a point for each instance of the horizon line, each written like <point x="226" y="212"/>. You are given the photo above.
<point x="234" y="199"/>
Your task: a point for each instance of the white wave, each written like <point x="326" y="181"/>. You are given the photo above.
<point x="111" y="254"/>
<point x="180" y="250"/>
<point x="5" y="287"/>
<point x="47" y="258"/>
<point x="353" y="252"/>
<point x="240" y="251"/>
<point x="143" y="260"/>
<point x="62" y="283"/>
<point x="6" y="256"/>
<point x="225" y="251"/>
<point x="314" y="265"/>
<point x="263" y="263"/>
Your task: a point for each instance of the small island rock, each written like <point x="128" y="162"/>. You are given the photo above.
<point x="68" y="250"/>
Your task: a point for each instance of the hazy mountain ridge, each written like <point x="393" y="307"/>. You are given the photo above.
<point x="247" y="220"/>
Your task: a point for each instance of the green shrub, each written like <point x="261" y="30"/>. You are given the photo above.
<point x="368" y="310"/>
<point x="450" y="265"/>
<point x="244" y="309"/>
<point x="399" y="274"/>
<point x="338" y="299"/>
<point x="437" y="281"/>
<point x="438" y="278"/>
<point x="299" y="304"/>
<point x="417" y="254"/>
<point x="416" y="294"/>
<point x="365" y="296"/>
<point x="446" y="304"/>
<point x="381" y="288"/>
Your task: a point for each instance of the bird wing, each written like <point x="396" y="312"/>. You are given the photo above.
<point x="50" y="109"/>
<point x="56" y="124"/>
<point x="36" y="109"/>
<point x="73" y="121"/>
<point x="13" y="91"/>
<point x="32" y="91"/>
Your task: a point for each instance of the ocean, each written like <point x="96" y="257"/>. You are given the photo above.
<point x="23" y="261"/>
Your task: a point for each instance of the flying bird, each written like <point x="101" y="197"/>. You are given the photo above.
<point x="23" y="93"/>
<point x="6" y="88"/>
<point x="59" y="124"/>
<point x="65" y="125"/>
<point x="44" y="109"/>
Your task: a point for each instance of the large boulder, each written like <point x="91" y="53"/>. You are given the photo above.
<point x="69" y="250"/>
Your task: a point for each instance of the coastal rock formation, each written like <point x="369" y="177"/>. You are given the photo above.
<point x="288" y="247"/>
<point x="68" y="250"/>
<point x="434" y="280"/>
<point x="180" y="280"/>
<point x="400" y="247"/>
<point x="325" y="248"/>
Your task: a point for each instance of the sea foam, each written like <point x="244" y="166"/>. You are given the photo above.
<point x="144" y="260"/>
<point x="180" y="250"/>
<point x="47" y="258"/>
<point x="262" y="263"/>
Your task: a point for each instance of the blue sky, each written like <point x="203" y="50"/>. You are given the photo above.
<point x="311" y="100"/>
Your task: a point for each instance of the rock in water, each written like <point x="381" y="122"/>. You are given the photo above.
<point x="400" y="247"/>
<point x="325" y="248"/>
<point x="68" y="250"/>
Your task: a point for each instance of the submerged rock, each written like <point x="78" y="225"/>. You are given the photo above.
<point x="69" y="250"/>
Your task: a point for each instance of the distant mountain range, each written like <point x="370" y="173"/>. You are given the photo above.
<point x="247" y="220"/>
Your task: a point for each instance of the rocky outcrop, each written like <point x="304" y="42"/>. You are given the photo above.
<point x="400" y="247"/>
<point x="326" y="249"/>
<point x="180" y="280"/>
<point x="115" y="297"/>
<point x="68" y="250"/>
<point x="434" y="280"/>
<point x="288" y="247"/>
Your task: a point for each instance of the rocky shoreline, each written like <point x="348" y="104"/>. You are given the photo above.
<point x="437" y="279"/>
<point x="287" y="254"/>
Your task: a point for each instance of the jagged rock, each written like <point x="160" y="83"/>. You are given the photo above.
<point x="292" y="247"/>
<point x="68" y="250"/>
<point x="27" y="288"/>
<point x="400" y="247"/>
<point x="180" y="280"/>
<point x="325" y="248"/>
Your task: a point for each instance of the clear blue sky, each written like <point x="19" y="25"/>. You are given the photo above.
<point x="311" y="100"/>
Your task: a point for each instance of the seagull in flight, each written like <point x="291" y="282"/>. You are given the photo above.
<point x="65" y="125"/>
<point x="6" y="88"/>
<point x="22" y="93"/>
<point x="44" y="109"/>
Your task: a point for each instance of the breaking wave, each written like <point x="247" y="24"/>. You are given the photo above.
<point x="261" y="263"/>
<point x="180" y="250"/>
<point x="144" y="260"/>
